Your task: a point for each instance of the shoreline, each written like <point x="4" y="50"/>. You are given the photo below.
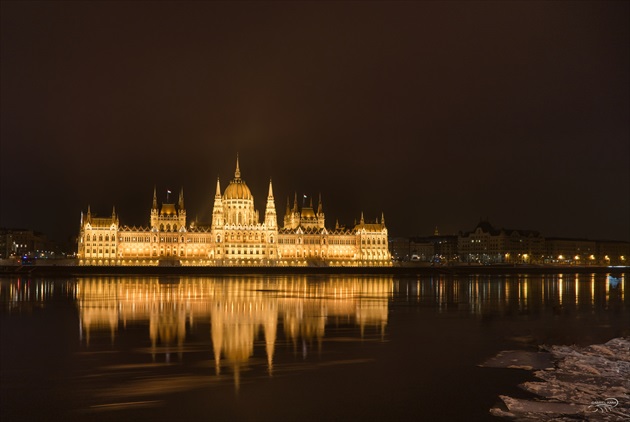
<point x="72" y="271"/>
<point x="572" y="382"/>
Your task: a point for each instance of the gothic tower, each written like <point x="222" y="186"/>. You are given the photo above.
<point x="271" y="219"/>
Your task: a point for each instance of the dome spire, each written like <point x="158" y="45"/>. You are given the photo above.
<point x="270" y="190"/>
<point x="154" y="198"/>
<point x="237" y="173"/>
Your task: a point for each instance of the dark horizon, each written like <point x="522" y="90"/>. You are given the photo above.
<point x="433" y="114"/>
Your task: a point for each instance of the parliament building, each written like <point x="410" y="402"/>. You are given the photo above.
<point x="235" y="237"/>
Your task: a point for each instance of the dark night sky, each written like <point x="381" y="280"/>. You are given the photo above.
<point x="433" y="113"/>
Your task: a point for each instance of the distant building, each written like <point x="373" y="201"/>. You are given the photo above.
<point x="25" y="242"/>
<point x="399" y="247"/>
<point x="611" y="252"/>
<point x="488" y="245"/>
<point x="437" y="248"/>
<point x="6" y="240"/>
<point x="573" y="251"/>
<point x="570" y="251"/>
<point x="236" y="236"/>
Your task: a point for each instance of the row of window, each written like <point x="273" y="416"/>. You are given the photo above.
<point x="372" y="241"/>
<point x="255" y="237"/>
<point x="99" y="238"/>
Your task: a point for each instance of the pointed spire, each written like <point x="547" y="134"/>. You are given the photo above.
<point x="382" y="218"/>
<point x="154" y="198"/>
<point x="237" y="173"/>
<point x="270" y="190"/>
<point x="114" y="212"/>
<point x="181" y="199"/>
<point x="362" y="220"/>
<point x="295" y="203"/>
<point x="311" y="205"/>
<point x="271" y="219"/>
<point x="218" y="192"/>
<point x="288" y="206"/>
<point x="436" y="232"/>
<point x="320" y="208"/>
<point x="337" y="224"/>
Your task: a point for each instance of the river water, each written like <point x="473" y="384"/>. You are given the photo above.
<point x="286" y="348"/>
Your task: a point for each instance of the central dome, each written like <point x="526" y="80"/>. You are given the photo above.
<point x="237" y="189"/>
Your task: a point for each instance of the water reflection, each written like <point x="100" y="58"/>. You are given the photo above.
<point x="238" y="310"/>
<point x="137" y="343"/>
<point x="25" y="295"/>
<point x="482" y="294"/>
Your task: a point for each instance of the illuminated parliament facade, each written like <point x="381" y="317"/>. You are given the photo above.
<point x="235" y="237"/>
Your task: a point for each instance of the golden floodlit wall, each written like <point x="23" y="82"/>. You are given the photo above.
<point x="236" y="237"/>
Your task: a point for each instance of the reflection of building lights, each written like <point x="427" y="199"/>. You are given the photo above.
<point x="577" y="257"/>
<point x="623" y="258"/>
<point x="607" y="258"/>
<point x="592" y="257"/>
<point x="560" y="257"/>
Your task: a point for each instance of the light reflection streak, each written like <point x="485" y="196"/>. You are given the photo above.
<point x="529" y="295"/>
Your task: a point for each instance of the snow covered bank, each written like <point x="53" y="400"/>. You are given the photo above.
<point x="577" y="383"/>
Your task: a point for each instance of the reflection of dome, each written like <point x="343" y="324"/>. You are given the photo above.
<point x="237" y="189"/>
<point x="168" y="209"/>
